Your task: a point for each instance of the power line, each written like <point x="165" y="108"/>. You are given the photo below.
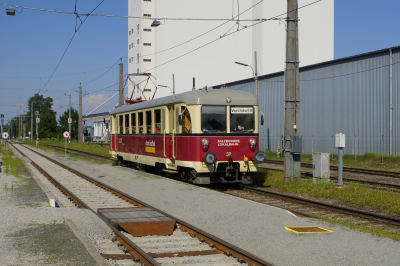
<point x="73" y="36"/>
<point x="204" y="45"/>
<point x="202" y="33"/>
<point x="105" y="72"/>
<point x="118" y="16"/>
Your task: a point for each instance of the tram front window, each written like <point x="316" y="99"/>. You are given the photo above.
<point x="213" y="119"/>
<point x="242" y="119"/>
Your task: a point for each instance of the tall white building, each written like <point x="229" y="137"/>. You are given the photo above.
<point x="207" y="49"/>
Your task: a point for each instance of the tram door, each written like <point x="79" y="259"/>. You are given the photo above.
<point x="170" y="138"/>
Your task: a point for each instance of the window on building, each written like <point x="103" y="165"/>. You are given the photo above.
<point x="138" y="58"/>
<point x="148" y="121"/>
<point x="137" y="41"/>
<point x="147" y="60"/>
<point x="133" y="123"/>
<point x="146" y="29"/>
<point x="147" y="44"/>
<point x="132" y="45"/>
<point x="129" y="33"/>
<point x="138" y="70"/>
<point x="147" y="0"/>
<point x="146" y="15"/>
<point x="137" y="28"/>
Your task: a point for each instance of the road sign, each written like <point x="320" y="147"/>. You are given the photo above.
<point x="69" y="120"/>
<point x="36" y="113"/>
<point x="37" y="120"/>
<point x="66" y="134"/>
<point x="5" y="135"/>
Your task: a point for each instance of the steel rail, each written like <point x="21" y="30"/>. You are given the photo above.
<point x="102" y="157"/>
<point x="350" y="211"/>
<point x="136" y="253"/>
<point x="346" y="169"/>
<point x="372" y="183"/>
<point x="225" y="248"/>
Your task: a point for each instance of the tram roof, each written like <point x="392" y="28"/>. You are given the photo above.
<point x="195" y="97"/>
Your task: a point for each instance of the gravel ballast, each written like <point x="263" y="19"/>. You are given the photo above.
<point x="254" y="227"/>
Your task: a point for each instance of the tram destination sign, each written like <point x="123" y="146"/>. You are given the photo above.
<point x="241" y="110"/>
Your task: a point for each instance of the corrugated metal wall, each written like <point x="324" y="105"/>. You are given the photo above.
<point x="350" y="96"/>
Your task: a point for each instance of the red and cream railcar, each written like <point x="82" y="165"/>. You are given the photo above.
<point x="205" y="136"/>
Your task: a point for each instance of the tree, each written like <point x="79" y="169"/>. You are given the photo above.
<point x="48" y="122"/>
<point x="63" y="123"/>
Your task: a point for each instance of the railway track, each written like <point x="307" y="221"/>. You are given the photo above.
<point x="371" y="183"/>
<point x="187" y="244"/>
<point x="346" y="169"/>
<point x="315" y="209"/>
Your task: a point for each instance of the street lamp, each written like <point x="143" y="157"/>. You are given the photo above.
<point x="254" y="72"/>
<point x="10" y="11"/>
<point x="166" y="87"/>
<point x="155" y="23"/>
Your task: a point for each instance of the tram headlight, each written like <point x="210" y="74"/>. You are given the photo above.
<point x="210" y="158"/>
<point x="252" y="143"/>
<point x="259" y="157"/>
<point x="205" y="144"/>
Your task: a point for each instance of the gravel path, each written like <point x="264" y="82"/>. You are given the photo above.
<point x="25" y="222"/>
<point x="254" y="227"/>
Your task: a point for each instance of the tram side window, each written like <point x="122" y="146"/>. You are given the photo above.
<point x="187" y="122"/>
<point x="126" y="124"/>
<point x="120" y="124"/>
<point x="157" y="121"/>
<point x="133" y="123"/>
<point x="213" y="119"/>
<point x="148" y="121"/>
<point x="242" y="118"/>
<point x="140" y="122"/>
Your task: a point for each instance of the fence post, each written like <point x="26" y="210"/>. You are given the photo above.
<point x="333" y="146"/>
<point x="382" y="150"/>
<point x="355" y="152"/>
<point x="312" y="146"/>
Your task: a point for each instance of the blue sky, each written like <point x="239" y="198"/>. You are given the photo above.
<point x="32" y="43"/>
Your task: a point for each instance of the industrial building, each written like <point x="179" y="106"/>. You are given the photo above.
<point x="358" y="96"/>
<point x="207" y="49"/>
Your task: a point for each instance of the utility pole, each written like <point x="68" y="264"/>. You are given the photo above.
<point x="173" y="84"/>
<point x="292" y="93"/>
<point x="37" y="128"/>
<point x="255" y="73"/>
<point x="2" y="122"/>
<point x="121" y="85"/>
<point x="69" y="120"/>
<point x="80" y="141"/>
<point x="23" y="127"/>
<point x="32" y="120"/>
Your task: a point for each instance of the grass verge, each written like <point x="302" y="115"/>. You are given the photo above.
<point x="86" y="147"/>
<point x="385" y="201"/>
<point x="51" y="244"/>
<point x="370" y="161"/>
